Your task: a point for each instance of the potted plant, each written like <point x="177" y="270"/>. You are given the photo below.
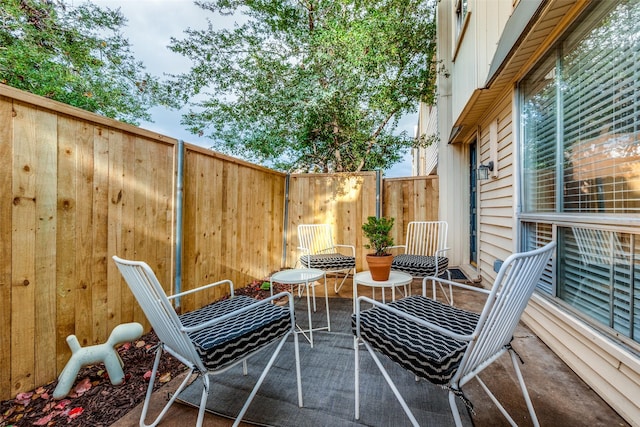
<point x="377" y="231"/>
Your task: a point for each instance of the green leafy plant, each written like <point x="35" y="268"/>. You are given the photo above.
<point x="316" y="86"/>
<point x="76" y="54"/>
<point x="377" y="231"/>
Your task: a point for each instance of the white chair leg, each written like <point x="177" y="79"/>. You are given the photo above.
<point x="386" y="376"/>
<point x="298" y="374"/>
<point x="523" y="387"/>
<point x="206" y="386"/>
<point x="357" y="378"/>
<point x="326" y="303"/>
<point x="337" y="288"/>
<point x="260" y="380"/>
<point x="454" y="409"/>
<point x="496" y="402"/>
<point x="147" y="400"/>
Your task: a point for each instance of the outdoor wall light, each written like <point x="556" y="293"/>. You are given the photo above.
<point x="483" y="171"/>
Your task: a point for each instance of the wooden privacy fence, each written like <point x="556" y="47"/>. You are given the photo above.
<point x="77" y="188"/>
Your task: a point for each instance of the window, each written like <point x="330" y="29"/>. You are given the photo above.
<point x="580" y="122"/>
<point x="461" y="14"/>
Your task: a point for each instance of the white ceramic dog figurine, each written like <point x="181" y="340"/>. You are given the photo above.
<point x="100" y="353"/>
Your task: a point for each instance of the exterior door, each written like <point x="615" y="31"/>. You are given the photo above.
<point x="473" y="205"/>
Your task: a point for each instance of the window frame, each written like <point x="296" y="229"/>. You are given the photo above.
<point x="618" y="222"/>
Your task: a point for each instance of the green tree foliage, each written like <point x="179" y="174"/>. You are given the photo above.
<point x="74" y="55"/>
<point x="311" y="85"/>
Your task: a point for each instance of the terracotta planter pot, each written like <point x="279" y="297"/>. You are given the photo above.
<point x="380" y="266"/>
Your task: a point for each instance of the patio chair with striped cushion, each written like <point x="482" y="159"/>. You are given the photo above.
<point x="213" y="338"/>
<point x="319" y="251"/>
<point x="447" y="345"/>
<point x="425" y="252"/>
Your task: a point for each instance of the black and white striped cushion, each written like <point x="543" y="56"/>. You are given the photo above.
<point x="334" y="261"/>
<point x="419" y="265"/>
<point x="426" y="353"/>
<point x="239" y="335"/>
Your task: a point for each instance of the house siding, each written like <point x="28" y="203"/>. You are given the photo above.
<point x="496" y="205"/>
<point x="610" y="368"/>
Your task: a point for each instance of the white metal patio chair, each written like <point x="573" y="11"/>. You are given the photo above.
<point x="447" y="345"/>
<point x="425" y="252"/>
<point x="214" y="338"/>
<point x="319" y="251"/>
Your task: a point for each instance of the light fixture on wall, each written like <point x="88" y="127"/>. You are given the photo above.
<point x="483" y="171"/>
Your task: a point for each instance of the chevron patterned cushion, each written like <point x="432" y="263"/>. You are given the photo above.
<point x="239" y="335"/>
<point x="426" y="353"/>
<point x="334" y="261"/>
<point x="419" y="265"/>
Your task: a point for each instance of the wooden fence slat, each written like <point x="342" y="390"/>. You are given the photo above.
<point x="45" y="240"/>
<point x="6" y="208"/>
<point x="100" y="236"/>
<point x="65" y="238"/>
<point x="84" y="231"/>
<point x="115" y="228"/>
<point x="23" y="289"/>
<point x="130" y="309"/>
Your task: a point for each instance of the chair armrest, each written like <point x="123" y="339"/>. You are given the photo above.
<point x="397" y="247"/>
<point x="409" y="317"/>
<point x="202" y="288"/>
<point x="353" y="248"/>
<point x="226" y="316"/>
<point x="452" y="283"/>
<point x="330" y="249"/>
<point x="441" y="251"/>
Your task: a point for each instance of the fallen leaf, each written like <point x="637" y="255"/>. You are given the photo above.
<point x="140" y="344"/>
<point x="63" y="404"/>
<point x="82" y="387"/>
<point x="49" y="406"/>
<point x="165" y="378"/>
<point x="46" y="419"/>
<point x="75" y="412"/>
<point x="23" y="398"/>
<point x="147" y="375"/>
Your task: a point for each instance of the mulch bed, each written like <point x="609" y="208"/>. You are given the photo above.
<point x="93" y="400"/>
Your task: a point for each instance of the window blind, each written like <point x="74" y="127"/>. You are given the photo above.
<point x="580" y="154"/>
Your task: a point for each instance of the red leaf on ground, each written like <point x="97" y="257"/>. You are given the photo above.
<point x="46" y="419"/>
<point x="82" y="387"/>
<point x="75" y="412"/>
<point x="24" y="398"/>
<point x="63" y="404"/>
<point x="147" y="375"/>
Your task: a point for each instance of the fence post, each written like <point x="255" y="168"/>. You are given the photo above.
<point x="178" y="224"/>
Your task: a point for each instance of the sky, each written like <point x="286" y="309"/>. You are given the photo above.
<point x="150" y="26"/>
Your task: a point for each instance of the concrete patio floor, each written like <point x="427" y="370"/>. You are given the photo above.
<point x="559" y="396"/>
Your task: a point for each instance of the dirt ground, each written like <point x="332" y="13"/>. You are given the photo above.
<point x="93" y="400"/>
